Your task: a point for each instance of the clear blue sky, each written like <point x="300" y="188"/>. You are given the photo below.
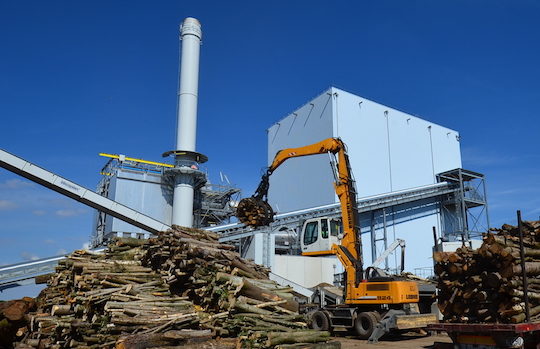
<point x="78" y="78"/>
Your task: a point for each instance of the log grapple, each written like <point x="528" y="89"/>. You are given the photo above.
<point x="255" y="211"/>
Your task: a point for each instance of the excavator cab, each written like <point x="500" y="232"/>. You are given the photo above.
<point x="318" y="235"/>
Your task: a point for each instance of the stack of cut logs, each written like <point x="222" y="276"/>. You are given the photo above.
<point x="181" y="289"/>
<point x="486" y="285"/>
<point x="236" y="296"/>
<point x="93" y="299"/>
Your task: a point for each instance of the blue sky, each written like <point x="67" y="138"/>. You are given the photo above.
<point x="79" y="78"/>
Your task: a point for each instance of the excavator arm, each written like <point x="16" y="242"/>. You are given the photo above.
<point x="330" y="145"/>
<point x="255" y="211"/>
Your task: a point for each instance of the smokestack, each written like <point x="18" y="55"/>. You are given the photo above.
<point x="190" y="35"/>
<point x="187" y="174"/>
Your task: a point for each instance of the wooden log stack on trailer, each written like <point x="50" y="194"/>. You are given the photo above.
<point x="490" y="297"/>
<point x="486" y="285"/>
<point x="181" y="289"/>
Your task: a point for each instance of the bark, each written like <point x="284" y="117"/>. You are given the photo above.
<point x="61" y="310"/>
<point x="485" y="285"/>
<point x="521" y="316"/>
<point x="276" y="338"/>
<point x="531" y="268"/>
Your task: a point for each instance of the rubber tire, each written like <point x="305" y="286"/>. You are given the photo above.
<point x="364" y="324"/>
<point x="320" y="321"/>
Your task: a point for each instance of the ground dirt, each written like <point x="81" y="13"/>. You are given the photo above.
<point x="406" y="341"/>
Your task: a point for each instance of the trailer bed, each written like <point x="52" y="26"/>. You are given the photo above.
<point x="524" y="335"/>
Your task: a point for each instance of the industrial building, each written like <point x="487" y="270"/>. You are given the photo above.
<point x="389" y="151"/>
<point x="409" y="181"/>
<point x="408" y="175"/>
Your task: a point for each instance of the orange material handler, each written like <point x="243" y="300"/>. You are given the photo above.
<point x="374" y="303"/>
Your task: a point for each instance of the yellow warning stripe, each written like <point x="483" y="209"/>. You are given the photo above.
<point x="113" y="156"/>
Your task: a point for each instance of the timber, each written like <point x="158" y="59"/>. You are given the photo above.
<point x="180" y="289"/>
<point x="13" y="319"/>
<point x="486" y="285"/>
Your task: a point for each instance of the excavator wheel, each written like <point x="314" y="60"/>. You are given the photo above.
<point x="365" y="324"/>
<point x="320" y="321"/>
<point x="254" y="212"/>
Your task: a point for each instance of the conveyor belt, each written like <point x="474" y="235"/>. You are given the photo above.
<point x="77" y="192"/>
<point x="20" y="273"/>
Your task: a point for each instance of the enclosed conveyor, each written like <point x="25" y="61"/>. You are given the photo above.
<point x="77" y="192"/>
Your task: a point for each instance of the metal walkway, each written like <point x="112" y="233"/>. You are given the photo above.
<point x="23" y="273"/>
<point x="72" y="190"/>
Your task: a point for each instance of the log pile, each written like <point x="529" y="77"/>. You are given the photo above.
<point x="181" y="289"/>
<point x="236" y="296"/>
<point x="486" y="285"/>
<point x="13" y="323"/>
<point x="93" y="299"/>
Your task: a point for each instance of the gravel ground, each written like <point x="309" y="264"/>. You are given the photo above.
<point x="399" y="342"/>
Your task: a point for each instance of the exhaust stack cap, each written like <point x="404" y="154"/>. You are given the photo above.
<point x="191" y="26"/>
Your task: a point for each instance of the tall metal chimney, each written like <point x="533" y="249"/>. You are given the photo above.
<point x="190" y="35"/>
<point x="187" y="160"/>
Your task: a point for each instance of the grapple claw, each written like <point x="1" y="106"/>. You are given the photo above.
<point x="254" y="212"/>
